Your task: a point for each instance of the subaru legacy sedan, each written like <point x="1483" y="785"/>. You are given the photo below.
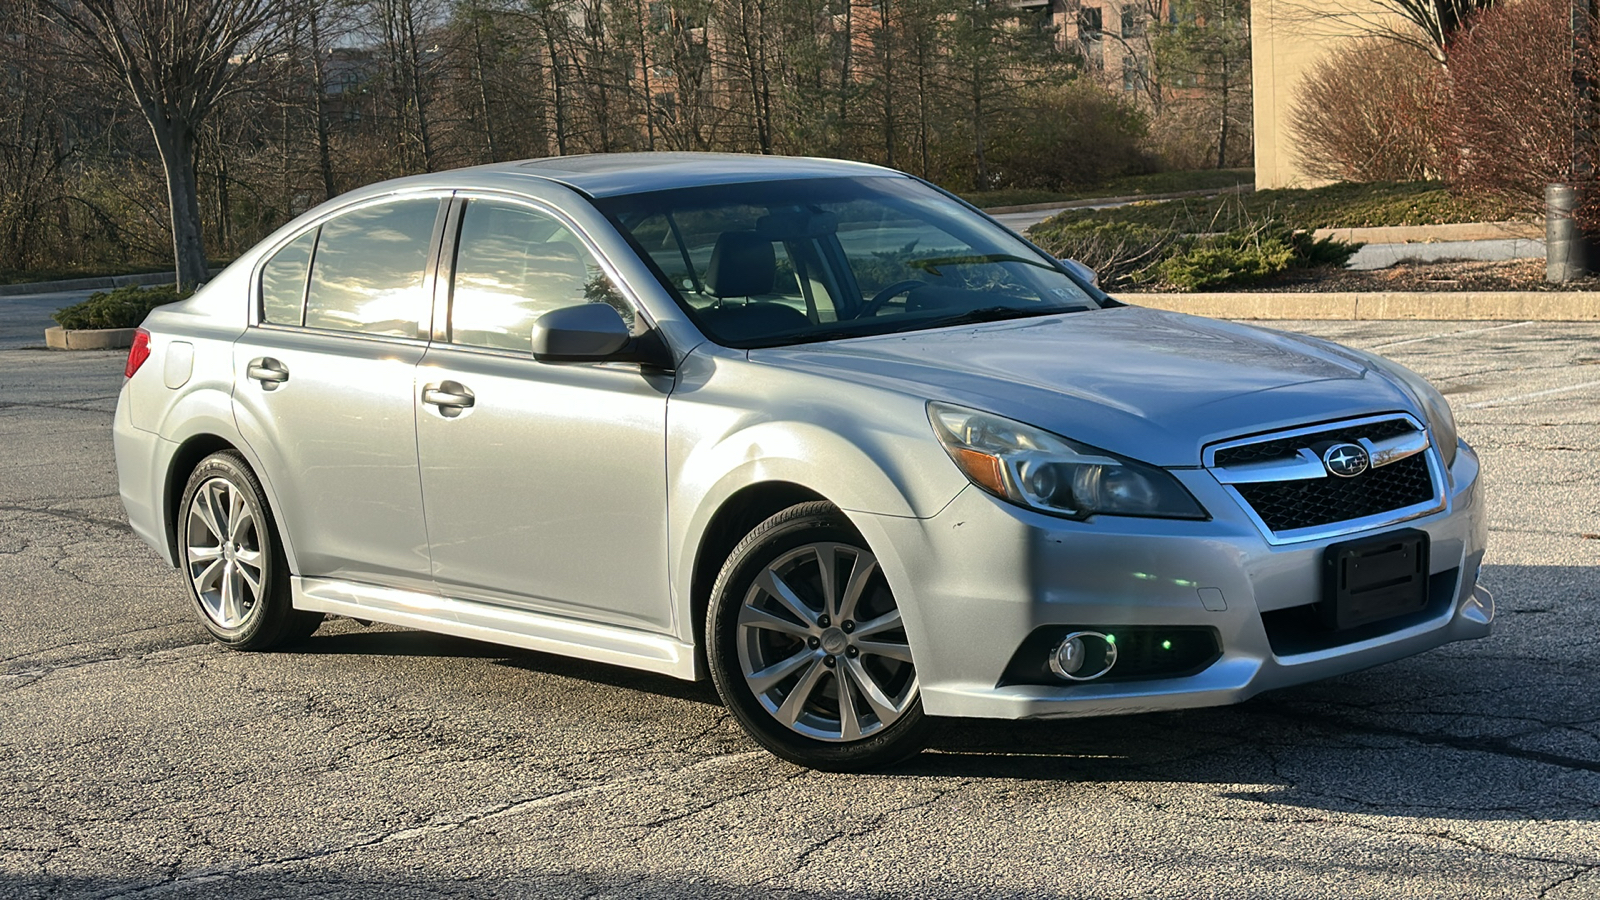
<point x="816" y="430"/>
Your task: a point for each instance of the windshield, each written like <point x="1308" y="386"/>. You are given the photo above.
<point x="785" y="262"/>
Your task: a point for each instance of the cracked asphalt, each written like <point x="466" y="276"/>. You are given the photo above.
<point x="143" y="760"/>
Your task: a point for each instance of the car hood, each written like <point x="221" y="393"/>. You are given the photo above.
<point x="1151" y="385"/>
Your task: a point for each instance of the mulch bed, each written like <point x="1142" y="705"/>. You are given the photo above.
<point x="1459" y="275"/>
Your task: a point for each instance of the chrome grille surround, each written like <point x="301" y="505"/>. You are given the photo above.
<point x="1290" y="460"/>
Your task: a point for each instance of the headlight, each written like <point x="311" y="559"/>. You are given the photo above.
<point x="1031" y="467"/>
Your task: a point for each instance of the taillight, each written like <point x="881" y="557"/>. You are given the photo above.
<point x="138" y="353"/>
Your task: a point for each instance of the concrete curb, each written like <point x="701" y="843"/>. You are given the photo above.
<point x="58" y="338"/>
<point x="100" y="283"/>
<point x="1543" y="306"/>
<point x="1130" y="198"/>
<point x="1416" y="234"/>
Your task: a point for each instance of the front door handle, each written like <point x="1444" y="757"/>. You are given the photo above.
<point x="450" y="396"/>
<point x="268" y="371"/>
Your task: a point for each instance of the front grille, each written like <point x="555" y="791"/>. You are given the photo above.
<point x="1277" y="448"/>
<point x="1287" y="505"/>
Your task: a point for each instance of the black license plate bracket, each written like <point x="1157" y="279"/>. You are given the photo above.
<point x="1373" y="579"/>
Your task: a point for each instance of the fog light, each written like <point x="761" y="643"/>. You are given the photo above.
<point x="1083" y="656"/>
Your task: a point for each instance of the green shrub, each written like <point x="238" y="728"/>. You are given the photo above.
<point x="1068" y="136"/>
<point x="124" y="307"/>
<point x="1247" y="256"/>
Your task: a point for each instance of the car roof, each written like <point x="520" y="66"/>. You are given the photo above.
<point x="614" y="174"/>
<point x="611" y="174"/>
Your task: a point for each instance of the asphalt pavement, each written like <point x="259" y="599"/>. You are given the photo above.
<point x="143" y="760"/>
<point x="23" y="319"/>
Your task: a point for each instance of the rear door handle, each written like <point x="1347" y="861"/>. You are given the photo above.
<point x="268" y="371"/>
<point x="450" y="396"/>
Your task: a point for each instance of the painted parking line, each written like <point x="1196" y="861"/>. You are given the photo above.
<point x="1481" y="404"/>
<point x="1445" y="334"/>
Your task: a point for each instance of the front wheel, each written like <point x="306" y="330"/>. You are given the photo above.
<point x="237" y="575"/>
<point x="807" y="648"/>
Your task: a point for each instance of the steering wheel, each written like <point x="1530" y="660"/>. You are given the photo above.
<point x="871" y="307"/>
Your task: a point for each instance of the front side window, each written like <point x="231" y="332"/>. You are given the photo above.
<point x="368" y="271"/>
<point x="283" y="281"/>
<point x="514" y="264"/>
<point x="783" y="262"/>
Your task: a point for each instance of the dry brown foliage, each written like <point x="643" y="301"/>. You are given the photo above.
<point x="1511" y="112"/>
<point x="1366" y="113"/>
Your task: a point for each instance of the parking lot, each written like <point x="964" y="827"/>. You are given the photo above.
<point x="143" y="760"/>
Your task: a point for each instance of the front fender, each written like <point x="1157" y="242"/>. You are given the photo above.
<point x="732" y="425"/>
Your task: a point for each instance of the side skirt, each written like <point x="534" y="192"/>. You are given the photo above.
<point x="496" y="625"/>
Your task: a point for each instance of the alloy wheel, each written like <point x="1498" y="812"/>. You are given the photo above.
<point x="223" y="552"/>
<point x="821" y="644"/>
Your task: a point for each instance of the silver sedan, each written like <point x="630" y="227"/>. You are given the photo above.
<point x="817" y="430"/>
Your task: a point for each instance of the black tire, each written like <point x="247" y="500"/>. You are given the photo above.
<point x="250" y="608"/>
<point x="791" y="546"/>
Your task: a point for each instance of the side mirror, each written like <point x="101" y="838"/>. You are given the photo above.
<point x="589" y="332"/>
<point x="1082" y="271"/>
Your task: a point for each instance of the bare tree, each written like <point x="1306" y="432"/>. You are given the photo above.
<point x="177" y="60"/>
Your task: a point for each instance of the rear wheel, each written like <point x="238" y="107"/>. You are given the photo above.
<point x="236" y="571"/>
<point x="807" y="648"/>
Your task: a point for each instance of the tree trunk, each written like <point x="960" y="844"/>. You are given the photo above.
<point x="483" y="88"/>
<point x="844" y="76"/>
<point x="1222" y="135"/>
<point x="978" y="137"/>
<point x="320" y="107"/>
<point x="176" y="145"/>
<point x="888" y="86"/>
<point x="558" y="86"/>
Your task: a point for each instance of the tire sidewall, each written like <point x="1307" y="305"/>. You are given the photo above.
<point x="794" y="527"/>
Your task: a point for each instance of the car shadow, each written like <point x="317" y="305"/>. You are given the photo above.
<point x="1514" y="712"/>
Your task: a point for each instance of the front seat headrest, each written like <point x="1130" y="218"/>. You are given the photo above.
<point x="742" y="265"/>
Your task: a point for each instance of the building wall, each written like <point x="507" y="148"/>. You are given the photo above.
<point x="1287" y="37"/>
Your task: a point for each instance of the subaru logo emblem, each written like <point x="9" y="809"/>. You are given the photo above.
<point x="1346" y="460"/>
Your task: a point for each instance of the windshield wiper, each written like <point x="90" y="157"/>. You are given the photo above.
<point x="994" y="314"/>
<point x="931" y="265"/>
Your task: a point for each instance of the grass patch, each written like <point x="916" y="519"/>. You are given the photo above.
<point x="1335" y="206"/>
<point x="124" y="307"/>
<point x="30" y="276"/>
<point x="1127" y="186"/>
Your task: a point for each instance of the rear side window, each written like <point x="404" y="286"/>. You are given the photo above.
<point x="367" y="273"/>
<point x="514" y="264"/>
<point x="283" y="281"/>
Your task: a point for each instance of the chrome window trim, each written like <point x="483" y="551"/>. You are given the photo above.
<point x="334" y="332"/>
<point x="1394" y="450"/>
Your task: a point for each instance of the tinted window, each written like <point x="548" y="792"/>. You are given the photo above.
<point x="513" y="265"/>
<point x="368" y="271"/>
<point x="283" y="281"/>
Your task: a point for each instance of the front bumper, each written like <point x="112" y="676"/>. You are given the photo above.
<point x="974" y="581"/>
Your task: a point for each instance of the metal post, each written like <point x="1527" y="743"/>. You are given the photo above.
<point x="1566" y="255"/>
